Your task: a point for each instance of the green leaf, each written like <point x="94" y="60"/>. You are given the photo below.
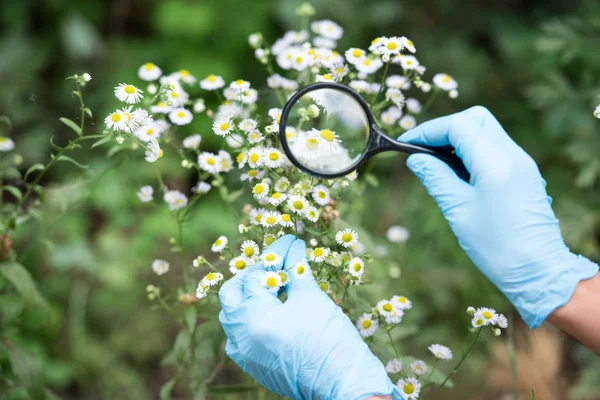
<point x="40" y="191"/>
<point x="21" y="279"/>
<point x="532" y="394"/>
<point x="165" y="390"/>
<point x="102" y="141"/>
<point x="14" y="191"/>
<point x="190" y="318"/>
<point x="11" y="173"/>
<point x="71" y="125"/>
<point x="28" y="370"/>
<point x="76" y="93"/>
<point x="182" y="345"/>
<point x="69" y="159"/>
<point x="88" y="111"/>
<point x="34" y="167"/>
<point x="54" y="145"/>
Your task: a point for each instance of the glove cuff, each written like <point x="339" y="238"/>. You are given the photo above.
<point x="555" y="289"/>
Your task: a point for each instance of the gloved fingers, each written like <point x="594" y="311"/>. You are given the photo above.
<point x="261" y="285"/>
<point x="232" y="292"/>
<point x="281" y="246"/>
<point x="441" y="182"/>
<point x="233" y="352"/>
<point x="299" y="273"/>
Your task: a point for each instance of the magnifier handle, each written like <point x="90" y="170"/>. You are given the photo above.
<point x="444" y="153"/>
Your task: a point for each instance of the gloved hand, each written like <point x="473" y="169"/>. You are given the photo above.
<point x="503" y="219"/>
<point x="305" y="348"/>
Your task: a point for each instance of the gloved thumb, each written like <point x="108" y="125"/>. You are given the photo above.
<point x="441" y="182"/>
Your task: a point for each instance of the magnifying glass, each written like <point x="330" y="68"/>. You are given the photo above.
<point x="328" y="131"/>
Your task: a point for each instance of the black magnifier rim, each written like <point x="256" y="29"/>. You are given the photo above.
<point x="292" y="102"/>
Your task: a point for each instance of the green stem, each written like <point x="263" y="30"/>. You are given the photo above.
<point x="382" y="85"/>
<point x="431" y="372"/>
<point x="392" y="343"/>
<point x="430" y="101"/>
<point x="462" y="358"/>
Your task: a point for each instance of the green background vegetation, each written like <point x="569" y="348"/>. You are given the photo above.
<point x="534" y="64"/>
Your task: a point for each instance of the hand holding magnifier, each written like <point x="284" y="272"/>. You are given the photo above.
<point x="328" y="131"/>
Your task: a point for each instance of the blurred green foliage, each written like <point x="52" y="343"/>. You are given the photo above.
<point x="534" y="64"/>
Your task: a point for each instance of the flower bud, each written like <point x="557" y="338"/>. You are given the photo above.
<point x="426" y="87"/>
<point x="152" y="89"/>
<point x="120" y="139"/>
<point x="385" y="58"/>
<point x="497" y="332"/>
<point x="313" y="242"/>
<point x="86" y="77"/>
<point x="255" y="39"/>
<point x="471" y="311"/>
<point x="17" y="159"/>
<point x="185" y="163"/>
<point x="313" y="111"/>
<point x="305" y="10"/>
<point x="199" y="106"/>
<point x="453" y="94"/>
<point x="172" y="240"/>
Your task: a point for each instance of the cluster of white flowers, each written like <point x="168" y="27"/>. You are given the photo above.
<point x="386" y="312"/>
<point x="487" y="317"/>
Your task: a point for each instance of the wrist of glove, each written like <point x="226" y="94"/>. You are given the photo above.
<point x="305" y="348"/>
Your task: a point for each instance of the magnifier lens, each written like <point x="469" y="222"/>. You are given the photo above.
<point x="327" y="130"/>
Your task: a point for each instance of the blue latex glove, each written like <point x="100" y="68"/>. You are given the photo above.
<point x="503" y="219"/>
<point x="305" y="348"/>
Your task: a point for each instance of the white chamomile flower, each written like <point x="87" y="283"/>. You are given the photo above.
<point x="149" y="72"/>
<point x="272" y="281"/>
<point x="237" y="264"/>
<point x="346" y="238"/>
<point x="162" y="107"/>
<point x="298" y="204"/>
<point x="192" y="142"/>
<point x="397" y="234"/>
<point x="255" y="157"/>
<point x="260" y="190"/>
<point x="241" y="159"/>
<point x="445" y="82"/>
<point x="268" y="240"/>
<point x="201" y="291"/>
<point x="407" y="122"/>
<point x="248" y="125"/>
<point x="419" y="367"/>
<point x="324" y="286"/>
<point x="255" y="137"/>
<point x="212" y="279"/>
<point x="271" y="259"/>
<point x="308" y="147"/>
<point x="219" y="244"/>
<point x="413" y="106"/>
<point x="389" y="117"/>
<point x="147" y="133"/>
<point x="185" y="76"/>
<point x="275" y="114"/>
<point x="181" y="116"/>
<point x="301" y="269"/>
<point x="256" y="215"/>
<point x="356" y="267"/>
<point x="222" y="125"/>
<point x="270" y="219"/>
<point x="327" y="29"/>
<point x="408" y="44"/>
<point x="128" y="93"/>
<point x="250" y="249"/>
<point x="410" y="388"/>
<point x="394" y="366"/>
<point x="329" y="138"/>
<point x="239" y="85"/>
<point x="401" y="302"/>
<point x="153" y="151"/>
<point x="273" y="158"/>
<point x="286" y="220"/>
<point x="478" y="321"/>
<point x="277" y="198"/>
<point x="395" y="96"/>
<point x="441" y="352"/>
<point x="375" y="44"/>
<point x="198" y="261"/>
<point x="324" y="78"/>
<point x="396" y="82"/>
<point x="339" y="71"/>
<point x="312" y="214"/>
<point x="409" y="63"/>
<point x="324" y="42"/>
<point x="489" y="315"/>
<point x="355" y="55"/>
<point x="160" y="267"/>
<point x="6" y="144"/>
<point x="209" y="162"/>
<point x="249" y="96"/>
<point x="212" y="82"/>
<point x="177" y="97"/>
<point x="115" y="121"/>
<point x="251" y="175"/>
<point x="319" y="254"/>
<point x="175" y="199"/>
<point x="321" y="195"/>
<point x="368" y="66"/>
<point x="366" y="325"/>
<point x="391" y="46"/>
<point x="226" y="161"/>
<point x="502" y="321"/>
<point x="145" y="194"/>
<point x="282" y="184"/>
<point x="596" y="111"/>
<point x="141" y="117"/>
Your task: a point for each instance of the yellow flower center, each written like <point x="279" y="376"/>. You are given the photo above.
<point x="160" y="153"/>
<point x="116" y="117"/>
<point x="328" y="135"/>
<point x="446" y="79"/>
<point x="254" y="157"/>
<point x="322" y="194"/>
<point x="374" y="41"/>
<point x="273" y="156"/>
<point x="312" y="144"/>
<point x="271" y="220"/>
<point x="327" y="77"/>
<point x="367" y="323"/>
<point x="272" y="282"/>
<point x="240" y="264"/>
<point x="210" y="161"/>
<point x="300" y="270"/>
<point x="129" y="89"/>
<point x="162" y="104"/>
<point x="408" y="62"/>
<point x="149" y="131"/>
<point x="2" y="140"/>
<point x="269" y="240"/>
<point x="479" y="322"/>
<point x="184" y="73"/>
<point x="346" y="237"/>
<point x="487" y="315"/>
<point x="218" y="242"/>
<point x="258" y="218"/>
<point x="357" y="267"/>
<point x="286" y="218"/>
<point x="318" y="252"/>
<point x="298" y="205"/>
<point x="149" y="66"/>
<point x="367" y="61"/>
<point x="259" y="189"/>
<point x="340" y="70"/>
<point x="210" y="276"/>
<point x="324" y="286"/>
<point x="181" y="114"/>
<point x="211" y="78"/>
<point x="392" y="46"/>
<point x="239" y="82"/>
<point x="409" y="388"/>
<point x="252" y="173"/>
<point x="387" y="307"/>
<point x="249" y="251"/>
<point x="276" y="195"/>
<point x="298" y="60"/>
<point x="283" y="277"/>
<point x="357" y="53"/>
<point x="240" y="157"/>
<point x="174" y="94"/>
<point x="270" y="257"/>
<point x="402" y="299"/>
<point x="410" y="43"/>
<point x="224" y="126"/>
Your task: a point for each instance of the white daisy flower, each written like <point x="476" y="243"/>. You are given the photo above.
<point x="249" y="96"/>
<point x="329" y="138"/>
<point x="147" y="133"/>
<point x="212" y="82"/>
<point x="359" y="86"/>
<point x="180" y="116"/>
<point x="272" y="281"/>
<point x="301" y="269"/>
<point x="149" y="72"/>
<point x="271" y="218"/>
<point x="321" y="195"/>
<point x="185" y="76"/>
<point x="248" y="125"/>
<point x="308" y="147"/>
<point x="286" y="220"/>
<point x="312" y="214"/>
<point x="419" y="367"/>
<point x="222" y="125"/>
<point x="407" y="122"/>
<point x="324" y="78"/>
<point x="375" y="43"/>
<point x="6" y="144"/>
<point x="153" y="151"/>
<point x="271" y="259"/>
<point x="355" y="55"/>
<point x="175" y="199"/>
<point x="277" y="198"/>
<point x="440" y="351"/>
<point x="366" y="325"/>
<point x="413" y="106"/>
<point x="391" y="46"/>
<point x="250" y="249"/>
<point x="395" y="96"/>
<point x="502" y="321"/>
<point x="192" y="142"/>
<point x="368" y="66"/>
<point x="252" y="175"/>
<point x="128" y="93"/>
<point x="324" y="286"/>
<point x="298" y="204"/>
<point x="273" y="158"/>
<point x="212" y="279"/>
<point x="256" y="215"/>
<point x="255" y="137"/>
<point x="478" y="321"/>
<point x="209" y="162"/>
<point x="346" y="238"/>
<point x="115" y="121"/>
<point x="160" y="108"/>
<point x="319" y="254"/>
<point x="596" y="111"/>
<point x="198" y="261"/>
<point x="401" y="302"/>
<point x="237" y="264"/>
<point x="177" y="97"/>
<point x="282" y="184"/>
<point x="226" y="161"/>
<point x="489" y="315"/>
<point x="260" y="190"/>
<point x="410" y="388"/>
<point x="408" y="63"/>
<point x="389" y="117"/>
<point x="356" y="267"/>
<point x="397" y="234"/>
<point x="445" y="82"/>
<point x="145" y="194"/>
<point x="219" y="244"/>
<point x="256" y="157"/>
<point x="385" y="308"/>
<point x="239" y="85"/>
<point x="327" y="29"/>
<point x="394" y="366"/>
<point x="201" y="291"/>
<point x="324" y="42"/>
<point x="339" y="71"/>
<point x="268" y="240"/>
<point x="160" y="267"/>
<point x="275" y="114"/>
<point x="408" y="44"/>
